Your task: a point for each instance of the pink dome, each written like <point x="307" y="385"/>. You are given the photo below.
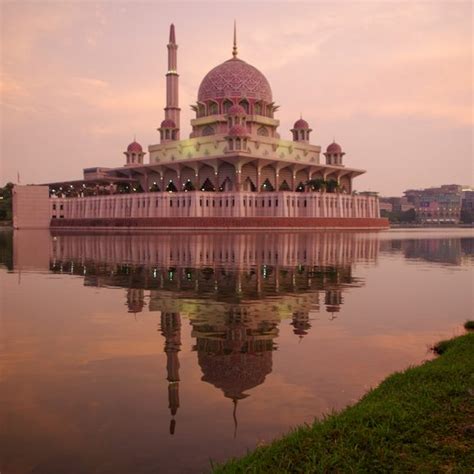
<point x="301" y="125"/>
<point x="238" y="131"/>
<point x="168" y="123"/>
<point x="236" y="110"/>
<point x="235" y="78"/>
<point x="334" y="148"/>
<point x="135" y="147"/>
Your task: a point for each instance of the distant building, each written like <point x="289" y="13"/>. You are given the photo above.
<point x="396" y="204"/>
<point x="440" y="205"/>
<point x="385" y="205"/>
<point x="468" y="201"/>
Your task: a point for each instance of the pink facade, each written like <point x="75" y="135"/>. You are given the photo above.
<point x="210" y="204"/>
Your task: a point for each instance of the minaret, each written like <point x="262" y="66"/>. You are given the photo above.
<point x="172" y="109"/>
<point x="171" y="330"/>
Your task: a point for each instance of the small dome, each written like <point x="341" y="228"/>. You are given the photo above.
<point x="135" y="147"/>
<point x="168" y="123"/>
<point x="236" y="110"/>
<point x="301" y="124"/>
<point x="334" y="148"/>
<point x="238" y="131"/>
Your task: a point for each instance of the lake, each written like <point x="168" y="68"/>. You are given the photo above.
<point x="147" y="352"/>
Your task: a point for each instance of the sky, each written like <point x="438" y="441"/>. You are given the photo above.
<point x="392" y="82"/>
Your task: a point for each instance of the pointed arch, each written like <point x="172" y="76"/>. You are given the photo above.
<point x="208" y="186"/>
<point x="212" y="108"/>
<point x="245" y="104"/>
<point x="300" y="187"/>
<point x="226" y="105"/>
<point x="207" y="172"/>
<point x="171" y="188"/>
<point x="188" y="186"/>
<point x="227" y="185"/>
<point x="249" y="185"/>
<point x="267" y="186"/>
<point x="249" y="177"/>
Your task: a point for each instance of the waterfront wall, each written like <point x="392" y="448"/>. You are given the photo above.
<point x="212" y="205"/>
<point x="31" y="207"/>
<point x="196" y="223"/>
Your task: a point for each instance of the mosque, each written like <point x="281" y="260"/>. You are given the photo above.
<point x="234" y="170"/>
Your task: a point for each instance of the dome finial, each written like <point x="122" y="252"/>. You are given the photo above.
<point x="234" y="49"/>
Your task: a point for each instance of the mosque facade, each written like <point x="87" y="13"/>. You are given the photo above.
<point x="233" y="170"/>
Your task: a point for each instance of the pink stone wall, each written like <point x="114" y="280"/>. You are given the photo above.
<point x="216" y="204"/>
<point x="228" y="222"/>
<point x="31" y="207"/>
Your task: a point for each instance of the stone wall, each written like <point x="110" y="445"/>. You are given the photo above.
<point x="226" y="222"/>
<point x="31" y="207"/>
<point x="217" y="204"/>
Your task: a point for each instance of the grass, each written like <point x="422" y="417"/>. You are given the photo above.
<point x="419" y="420"/>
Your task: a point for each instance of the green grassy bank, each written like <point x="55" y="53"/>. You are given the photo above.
<point x="419" y="420"/>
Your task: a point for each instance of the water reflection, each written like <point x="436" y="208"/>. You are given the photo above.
<point x="452" y="251"/>
<point x="253" y="280"/>
<point x="155" y="353"/>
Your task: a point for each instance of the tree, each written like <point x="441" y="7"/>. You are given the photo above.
<point x="6" y="194"/>
<point x="332" y="186"/>
<point x="317" y="184"/>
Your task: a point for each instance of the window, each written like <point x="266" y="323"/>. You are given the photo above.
<point x="245" y="105"/>
<point x="213" y="108"/>
<point x="208" y="130"/>
<point x="227" y="105"/>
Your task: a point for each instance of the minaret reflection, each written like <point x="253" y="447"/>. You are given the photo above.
<point x="333" y="301"/>
<point x="300" y="323"/>
<point x="171" y="330"/>
<point x="135" y="300"/>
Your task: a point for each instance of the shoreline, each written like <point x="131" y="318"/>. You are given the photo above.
<point x="421" y="419"/>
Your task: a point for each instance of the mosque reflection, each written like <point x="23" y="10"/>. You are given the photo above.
<point x="233" y="289"/>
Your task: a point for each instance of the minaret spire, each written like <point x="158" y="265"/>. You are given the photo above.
<point x="169" y="129"/>
<point x="234" y="49"/>
<point x="172" y="34"/>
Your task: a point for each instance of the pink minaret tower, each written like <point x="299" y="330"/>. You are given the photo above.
<point x="169" y="129"/>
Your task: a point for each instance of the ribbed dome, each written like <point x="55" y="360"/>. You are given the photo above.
<point x="235" y="78"/>
<point x="238" y="131"/>
<point x="334" y="148"/>
<point x="236" y="110"/>
<point x="135" y="147"/>
<point x="301" y="124"/>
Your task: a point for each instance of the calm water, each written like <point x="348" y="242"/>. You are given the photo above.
<point x="157" y="353"/>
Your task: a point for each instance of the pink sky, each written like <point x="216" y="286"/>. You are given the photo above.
<point x="392" y="82"/>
